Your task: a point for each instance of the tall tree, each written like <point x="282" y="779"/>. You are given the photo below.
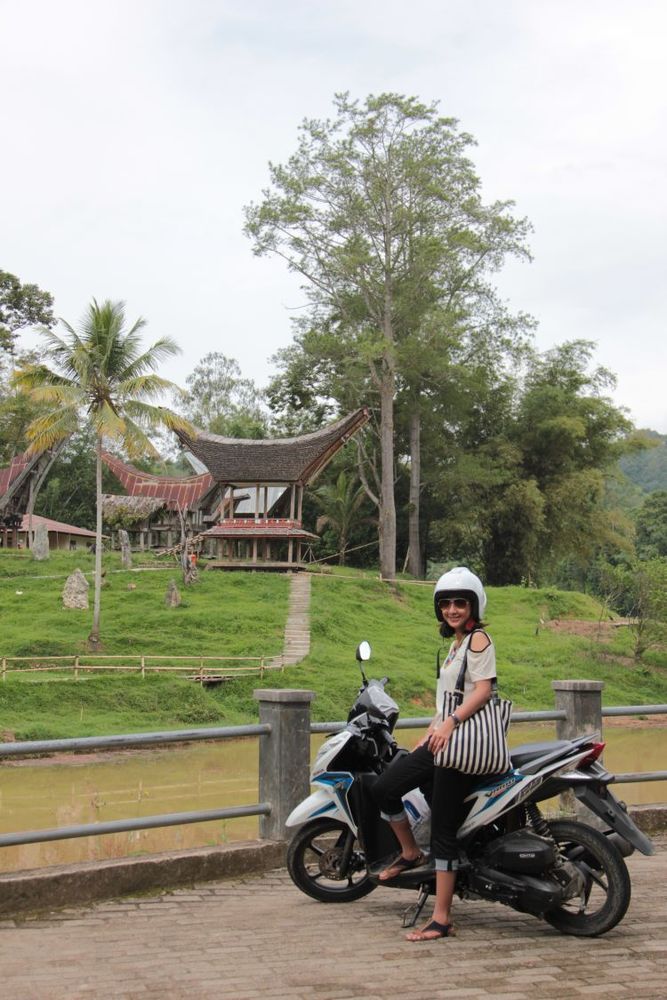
<point x="529" y="472"/>
<point x="21" y="306"/>
<point x="101" y="376"/>
<point x="379" y="210"/>
<point x="220" y="400"/>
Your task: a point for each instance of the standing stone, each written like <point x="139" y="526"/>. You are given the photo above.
<point x="125" y="553"/>
<point x="75" y="591"/>
<point x="172" y="598"/>
<point x="40" y="545"/>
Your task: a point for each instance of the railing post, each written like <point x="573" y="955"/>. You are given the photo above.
<point x="582" y="703"/>
<point x="284" y="755"/>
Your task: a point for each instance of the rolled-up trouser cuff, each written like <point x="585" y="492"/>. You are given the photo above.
<point x="446" y="864"/>
<point x="394" y="817"/>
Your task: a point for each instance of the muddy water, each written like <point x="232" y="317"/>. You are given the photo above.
<point x="40" y="794"/>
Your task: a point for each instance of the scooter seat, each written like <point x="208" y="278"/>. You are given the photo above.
<point x="529" y="751"/>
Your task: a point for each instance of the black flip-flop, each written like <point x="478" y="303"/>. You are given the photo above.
<point x="444" y="930"/>
<point x="401" y="865"/>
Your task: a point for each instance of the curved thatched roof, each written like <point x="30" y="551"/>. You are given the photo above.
<point x="171" y="491"/>
<point x="276" y="460"/>
<point x="16" y="478"/>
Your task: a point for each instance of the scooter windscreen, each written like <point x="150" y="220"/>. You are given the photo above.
<point x="374" y="700"/>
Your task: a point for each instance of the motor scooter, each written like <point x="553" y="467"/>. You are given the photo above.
<point x="561" y="870"/>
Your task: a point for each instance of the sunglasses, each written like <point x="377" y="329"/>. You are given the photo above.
<point x="460" y="603"/>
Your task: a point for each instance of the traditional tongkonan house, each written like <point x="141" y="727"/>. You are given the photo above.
<point x="149" y="511"/>
<point x="266" y="531"/>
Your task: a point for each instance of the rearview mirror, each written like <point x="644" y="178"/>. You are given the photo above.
<point x="363" y="651"/>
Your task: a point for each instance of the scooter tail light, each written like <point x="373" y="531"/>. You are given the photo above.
<point x="596" y="750"/>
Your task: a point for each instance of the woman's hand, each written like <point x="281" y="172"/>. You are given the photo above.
<point x="429" y="732"/>
<point x="441" y="735"/>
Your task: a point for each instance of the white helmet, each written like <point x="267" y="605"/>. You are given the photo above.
<point x="461" y="580"/>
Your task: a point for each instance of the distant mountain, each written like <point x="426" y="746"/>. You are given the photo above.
<point x="648" y="469"/>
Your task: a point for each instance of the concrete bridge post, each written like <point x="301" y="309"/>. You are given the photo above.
<point x="284" y="756"/>
<point x="582" y="703"/>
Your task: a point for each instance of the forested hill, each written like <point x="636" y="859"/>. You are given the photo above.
<point x="648" y="469"/>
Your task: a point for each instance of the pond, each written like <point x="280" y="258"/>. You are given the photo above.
<point x="45" y="793"/>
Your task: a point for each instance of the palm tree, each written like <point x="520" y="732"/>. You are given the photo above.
<point x="340" y="502"/>
<point x="102" y="375"/>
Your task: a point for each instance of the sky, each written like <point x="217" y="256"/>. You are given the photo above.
<point x="135" y="131"/>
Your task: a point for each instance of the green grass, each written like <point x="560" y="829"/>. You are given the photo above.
<point x="231" y="614"/>
<point x="244" y="614"/>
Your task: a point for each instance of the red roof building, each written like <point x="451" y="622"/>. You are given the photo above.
<point x="61" y="535"/>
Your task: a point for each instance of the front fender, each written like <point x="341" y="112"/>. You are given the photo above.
<point x="319" y="803"/>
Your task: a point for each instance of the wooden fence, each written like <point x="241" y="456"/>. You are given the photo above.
<point x="205" y="669"/>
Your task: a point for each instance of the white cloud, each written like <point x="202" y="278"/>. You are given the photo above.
<point x="136" y="131"/>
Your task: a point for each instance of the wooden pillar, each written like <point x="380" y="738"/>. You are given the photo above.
<point x="300" y="508"/>
<point x="290" y="551"/>
<point x="257" y="502"/>
<point x="291" y="503"/>
<point x="254" y="550"/>
<point x="266" y="503"/>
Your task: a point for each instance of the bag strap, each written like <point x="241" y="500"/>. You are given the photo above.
<point x="459" y="687"/>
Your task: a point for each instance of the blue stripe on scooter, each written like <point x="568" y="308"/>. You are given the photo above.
<point x="502" y="785"/>
<point x="327" y="808"/>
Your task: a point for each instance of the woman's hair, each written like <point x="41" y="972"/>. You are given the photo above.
<point x="446" y="631"/>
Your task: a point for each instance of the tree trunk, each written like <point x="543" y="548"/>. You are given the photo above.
<point x="94" y="636"/>
<point x="387" y="518"/>
<point x="415" y="565"/>
<point x="35" y="487"/>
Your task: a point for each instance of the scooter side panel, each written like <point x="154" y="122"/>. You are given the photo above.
<point x="319" y="803"/>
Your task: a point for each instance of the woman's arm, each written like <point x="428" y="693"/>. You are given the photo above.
<point x="473" y="701"/>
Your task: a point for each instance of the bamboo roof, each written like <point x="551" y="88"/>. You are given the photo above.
<point x="170" y="491"/>
<point x="18" y="464"/>
<point x="239" y="461"/>
<point x="23" y="471"/>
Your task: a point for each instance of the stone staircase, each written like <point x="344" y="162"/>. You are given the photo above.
<point x="297" y="627"/>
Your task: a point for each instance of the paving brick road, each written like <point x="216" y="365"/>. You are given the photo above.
<point x="260" y="937"/>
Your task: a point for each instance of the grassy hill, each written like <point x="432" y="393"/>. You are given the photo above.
<point x="244" y="614"/>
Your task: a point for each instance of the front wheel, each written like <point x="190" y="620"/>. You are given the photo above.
<point x="324" y="861"/>
<point x="604" y="881"/>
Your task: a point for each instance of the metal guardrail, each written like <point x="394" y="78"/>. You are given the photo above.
<point x="265" y="809"/>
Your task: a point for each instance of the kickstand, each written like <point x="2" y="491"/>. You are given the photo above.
<point x="411" y="915"/>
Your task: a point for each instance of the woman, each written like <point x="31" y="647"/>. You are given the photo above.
<point x="459" y="601"/>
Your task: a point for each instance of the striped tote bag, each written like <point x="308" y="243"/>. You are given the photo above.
<point x="479" y="744"/>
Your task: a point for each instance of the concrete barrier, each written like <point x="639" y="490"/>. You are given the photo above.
<point x="67" y="885"/>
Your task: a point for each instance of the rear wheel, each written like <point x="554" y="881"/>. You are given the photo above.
<point x="316" y="861"/>
<point x="604" y="894"/>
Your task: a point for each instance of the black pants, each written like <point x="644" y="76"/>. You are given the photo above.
<point x="448" y="810"/>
